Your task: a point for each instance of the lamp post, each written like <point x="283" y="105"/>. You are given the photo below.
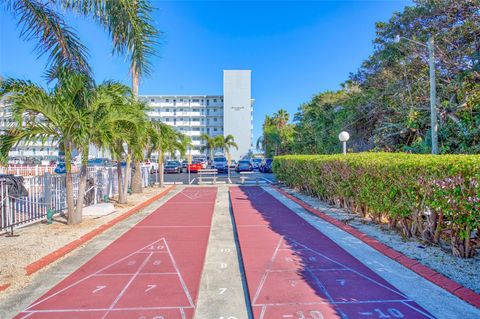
<point x="433" y="88"/>
<point x="344" y="137"/>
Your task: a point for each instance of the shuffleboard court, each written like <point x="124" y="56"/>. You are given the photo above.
<point x="151" y="272"/>
<point x="295" y="271"/>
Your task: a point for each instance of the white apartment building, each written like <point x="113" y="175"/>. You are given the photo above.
<point x="193" y="115"/>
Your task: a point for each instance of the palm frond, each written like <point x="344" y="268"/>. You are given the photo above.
<point x="54" y="37"/>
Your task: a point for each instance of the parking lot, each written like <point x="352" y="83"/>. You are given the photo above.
<point x="183" y="178"/>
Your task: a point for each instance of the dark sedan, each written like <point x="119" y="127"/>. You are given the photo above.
<point x="244" y="166"/>
<point x="173" y="167"/>
<point x="266" y="165"/>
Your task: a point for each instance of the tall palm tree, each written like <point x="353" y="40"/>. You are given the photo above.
<point x="128" y="22"/>
<point x="226" y="142"/>
<point x="164" y="139"/>
<point x="210" y="144"/>
<point x="281" y="118"/>
<point x="70" y="115"/>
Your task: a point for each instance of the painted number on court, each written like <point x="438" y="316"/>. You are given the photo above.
<point x="98" y="288"/>
<point x="222" y="290"/>
<point x="390" y="313"/>
<point x="312" y="314"/>
<point x="150" y="287"/>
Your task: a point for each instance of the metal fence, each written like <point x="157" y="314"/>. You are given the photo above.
<point x="47" y="193"/>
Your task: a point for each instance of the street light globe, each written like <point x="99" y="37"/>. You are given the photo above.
<point x="343" y="136"/>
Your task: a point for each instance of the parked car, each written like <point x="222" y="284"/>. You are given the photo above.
<point x="266" y="165"/>
<point x="244" y="166"/>
<point x="173" y="167"/>
<point x="184" y="164"/>
<point x="220" y="164"/>
<point x="195" y="166"/>
<point x="256" y="162"/>
<point x="233" y="163"/>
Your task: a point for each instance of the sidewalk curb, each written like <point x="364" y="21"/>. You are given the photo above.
<point x="62" y="251"/>
<point x="431" y="275"/>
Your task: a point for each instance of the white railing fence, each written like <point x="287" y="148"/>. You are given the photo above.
<point x="47" y="194"/>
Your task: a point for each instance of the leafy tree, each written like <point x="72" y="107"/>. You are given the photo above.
<point x="226" y="142"/>
<point x="385" y="104"/>
<point x="210" y="144"/>
<point x="164" y="139"/>
<point x="74" y="114"/>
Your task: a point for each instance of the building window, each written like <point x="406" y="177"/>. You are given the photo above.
<point x="195" y="110"/>
<point x="181" y="100"/>
<point x="215" y="100"/>
<point x="152" y="100"/>
<point x="167" y="100"/>
<point x="181" y="110"/>
<point x="195" y="100"/>
<point x="167" y="119"/>
<point x="214" y="110"/>
<point x="215" y="129"/>
<point x="167" y="110"/>
<point x="215" y="119"/>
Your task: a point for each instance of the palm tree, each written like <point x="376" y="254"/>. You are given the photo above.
<point x="226" y="142"/>
<point x="163" y="139"/>
<point x="281" y="118"/>
<point x="70" y="115"/>
<point x="210" y="144"/>
<point x="128" y="22"/>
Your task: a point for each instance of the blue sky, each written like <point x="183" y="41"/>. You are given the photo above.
<point x="295" y="49"/>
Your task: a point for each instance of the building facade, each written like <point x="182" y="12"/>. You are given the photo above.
<point x="192" y="115"/>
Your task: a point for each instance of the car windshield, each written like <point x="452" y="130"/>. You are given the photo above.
<point x="257" y="160"/>
<point x="219" y="159"/>
<point x="244" y="162"/>
<point x="172" y="163"/>
<point x="269" y="161"/>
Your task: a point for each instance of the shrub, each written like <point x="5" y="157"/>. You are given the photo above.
<point x="426" y="196"/>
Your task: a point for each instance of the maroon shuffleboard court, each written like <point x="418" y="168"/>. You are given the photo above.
<point x="151" y="272"/>
<point x="295" y="271"/>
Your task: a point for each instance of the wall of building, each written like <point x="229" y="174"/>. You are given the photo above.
<point x="237" y="109"/>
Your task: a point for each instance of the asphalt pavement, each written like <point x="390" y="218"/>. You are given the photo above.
<point x="184" y="178"/>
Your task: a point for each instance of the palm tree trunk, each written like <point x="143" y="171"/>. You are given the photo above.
<point x="69" y="186"/>
<point x="127" y="174"/>
<point x="137" y="178"/>
<point x="81" y="187"/>
<point x="122" y="198"/>
<point x="161" y="168"/>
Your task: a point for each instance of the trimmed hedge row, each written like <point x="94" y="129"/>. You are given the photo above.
<point x="435" y="198"/>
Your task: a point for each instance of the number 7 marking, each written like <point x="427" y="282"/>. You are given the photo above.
<point x="150" y="287"/>
<point x="98" y="289"/>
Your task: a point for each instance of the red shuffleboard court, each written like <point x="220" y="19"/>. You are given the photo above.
<point x="151" y="272"/>
<point x="295" y="271"/>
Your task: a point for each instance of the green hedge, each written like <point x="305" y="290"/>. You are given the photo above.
<point x="436" y="198"/>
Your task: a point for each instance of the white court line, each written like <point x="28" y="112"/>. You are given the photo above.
<point x="190" y="202"/>
<point x="182" y="313"/>
<point x="192" y="180"/>
<point x="91" y="275"/>
<point x="368" y="301"/>
<point x="264" y="277"/>
<point x="179" y="275"/>
<point x="417" y="310"/>
<point x="265" y="225"/>
<point x="194" y="226"/>
<point x="141" y="274"/>
<point x="30" y="312"/>
<point x="352" y="270"/>
<point x="264" y="308"/>
<point x="120" y="295"/>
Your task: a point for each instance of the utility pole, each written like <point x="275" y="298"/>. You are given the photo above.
<point x="433" y="95"/>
